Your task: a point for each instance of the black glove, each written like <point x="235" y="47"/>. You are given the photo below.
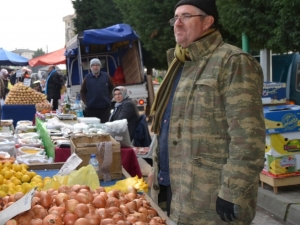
<point x="225" y="210"/>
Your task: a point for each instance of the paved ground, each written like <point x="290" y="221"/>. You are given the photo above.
<point x="263" y="217"/>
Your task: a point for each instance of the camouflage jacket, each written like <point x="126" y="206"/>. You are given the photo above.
<point x="217" y="133"/>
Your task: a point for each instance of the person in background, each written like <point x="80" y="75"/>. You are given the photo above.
<point x="4" y="78"/>
<point x="208" y="118"/>
<point x="37" y="86"/>
<point x="12" y="77"/>
<point x="53" y="86"/>
<point x="96" y="92"/>
<point x="26" y="74"/>
<point x="125" y="108"/>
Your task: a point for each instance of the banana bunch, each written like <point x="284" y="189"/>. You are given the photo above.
<point x="282" y="165"/>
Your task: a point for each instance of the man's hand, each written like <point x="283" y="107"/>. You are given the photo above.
<point x="225" y="210"/>
<point x="150" y="179"/>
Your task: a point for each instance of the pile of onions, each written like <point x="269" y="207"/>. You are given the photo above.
<point x="79" y="205"/>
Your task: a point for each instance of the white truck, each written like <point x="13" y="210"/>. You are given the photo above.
<point x="119" y="49"/>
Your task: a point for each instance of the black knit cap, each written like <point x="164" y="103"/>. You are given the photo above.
<point x="207" y="6"/>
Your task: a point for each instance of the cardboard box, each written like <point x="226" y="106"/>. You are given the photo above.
<point x="282" y="118"/>
<point x="84" y="146"/>
<point x="274" y="93"/>
<point x="283" y="144"/>
<point x="283" y="164"/>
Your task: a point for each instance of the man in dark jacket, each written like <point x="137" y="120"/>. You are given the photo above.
<point x="53" y="86"/>
<point x="96" y="92"/>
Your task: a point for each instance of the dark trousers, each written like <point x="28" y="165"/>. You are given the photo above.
<point x="103" y="114"/>
<point x="165" y="195"/>
<point x="54" y="103"/>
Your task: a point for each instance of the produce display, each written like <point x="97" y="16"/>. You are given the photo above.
<point x="15" y="178"/>
<point x="79" y="205"/>
<point x="23" y="95"/>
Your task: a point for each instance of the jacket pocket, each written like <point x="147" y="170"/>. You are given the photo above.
<point x="206" y="183"/>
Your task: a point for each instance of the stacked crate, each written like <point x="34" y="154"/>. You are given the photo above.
<point x="282" y="121"/>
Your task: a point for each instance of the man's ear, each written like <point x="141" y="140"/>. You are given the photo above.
<point x="208" y="21"/>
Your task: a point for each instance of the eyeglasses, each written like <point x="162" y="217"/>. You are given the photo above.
<point x="183" y="18"/>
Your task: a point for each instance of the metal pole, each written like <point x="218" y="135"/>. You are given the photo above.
<point x="245" y="43"/>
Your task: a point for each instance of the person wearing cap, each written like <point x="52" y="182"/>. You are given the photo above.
<point x="209" y="124"/>
<point x="96" y="92"/>
<point x="53" y="86"/>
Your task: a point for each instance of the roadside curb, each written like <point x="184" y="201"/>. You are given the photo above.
<point x="279" y="205"/>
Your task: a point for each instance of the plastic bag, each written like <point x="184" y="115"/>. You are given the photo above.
<point x="118" y="129"/>
<point x="123" y="185"/>
<point x="86" y="175"/>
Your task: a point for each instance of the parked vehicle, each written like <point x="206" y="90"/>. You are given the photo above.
<point x="119" y="50"/>
<point x="286" y="69"/>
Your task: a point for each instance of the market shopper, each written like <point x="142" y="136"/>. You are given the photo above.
<point x="5" y="80"/>
<point x="209" y="123"/>
<point x="125" y="108"/>
<point x="53" y="86"/>
<point x="96" y="92"/>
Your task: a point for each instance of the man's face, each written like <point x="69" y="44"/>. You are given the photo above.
<point x="50" y="68"/>
<point x="95" y="68"/>
<point x="190" y="30"/>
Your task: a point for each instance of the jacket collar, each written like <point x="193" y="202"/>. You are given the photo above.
<point x="205" y="46"/>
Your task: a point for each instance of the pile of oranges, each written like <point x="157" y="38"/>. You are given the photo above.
<point x="16" y="178"/>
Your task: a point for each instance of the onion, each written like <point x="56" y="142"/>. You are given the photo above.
<point x="69" y="218"/>
<point x="113" y="210"/>
<point x="130" y="196"/>
<point x="91" y="208"/>
<point x="75" y="187"/>
<point x="124" y="210"/>
<point x="100" y="189"/>
<point x="82" y="221"/>
<point x="37" y="221"/>
<point x="122" y="222"/>
<point x="60" y="197"/>
<point x="63" y="189"/>
<point x="35" y="201"/>
<point x="23" y="218"/>
<point x="39" y="211"/>
<point x="156" y="220"/>
<point x="72" y="194"/>
<point x="18" y="195"/>
<point x="139" y="203"/>
<point x="113" y="193"/>
<point x="131" y="189"/>
<point x="112" y="201"/>
<point x="81" y="210"/>
<point x="84" y="187"/>
<point x="143" y="210"/>
<point x="151" y="213"/>
<point x="140" y="216"/>
<point x="107" y="221"/>
<point x="57" y="210"/>
<point x="131" y="206"/>
<point x="5" y="200"/>
<point x="118" y="216"/>
<point x="93" y="218"/>
<point x="132" y="219"/>
<point x="11" y="222"/>
<point x="11" y="198"/>
<point x="70" y="205"/>
<point x="104" y="194"/>
<point x="83" y="198"/>
<point x="123" y="200"/>
<point x="52" y="219"/>
<point x="50" y="191"/>
<point x="103" y="213"/>
<point x="46" y="199"/>
<point x="140" y="223"/>
<point x="99" y="202"/>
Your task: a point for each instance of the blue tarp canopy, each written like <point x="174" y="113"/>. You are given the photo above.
<point x="112" y="34"/>
<point x="8" y="58"/>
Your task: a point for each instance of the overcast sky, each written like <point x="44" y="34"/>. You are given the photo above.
<point x="33" y="24"/>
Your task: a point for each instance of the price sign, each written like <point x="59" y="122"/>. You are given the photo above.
<point x="18" y="73"/>
<point x="27" y="82"/>
<point x="22" y="205"/>
<point x="70" y="165"/>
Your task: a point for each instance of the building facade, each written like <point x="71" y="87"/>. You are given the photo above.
<point x="69" y="27"/>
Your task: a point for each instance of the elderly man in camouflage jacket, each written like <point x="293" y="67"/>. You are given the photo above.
<point x="209" y="124"/>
